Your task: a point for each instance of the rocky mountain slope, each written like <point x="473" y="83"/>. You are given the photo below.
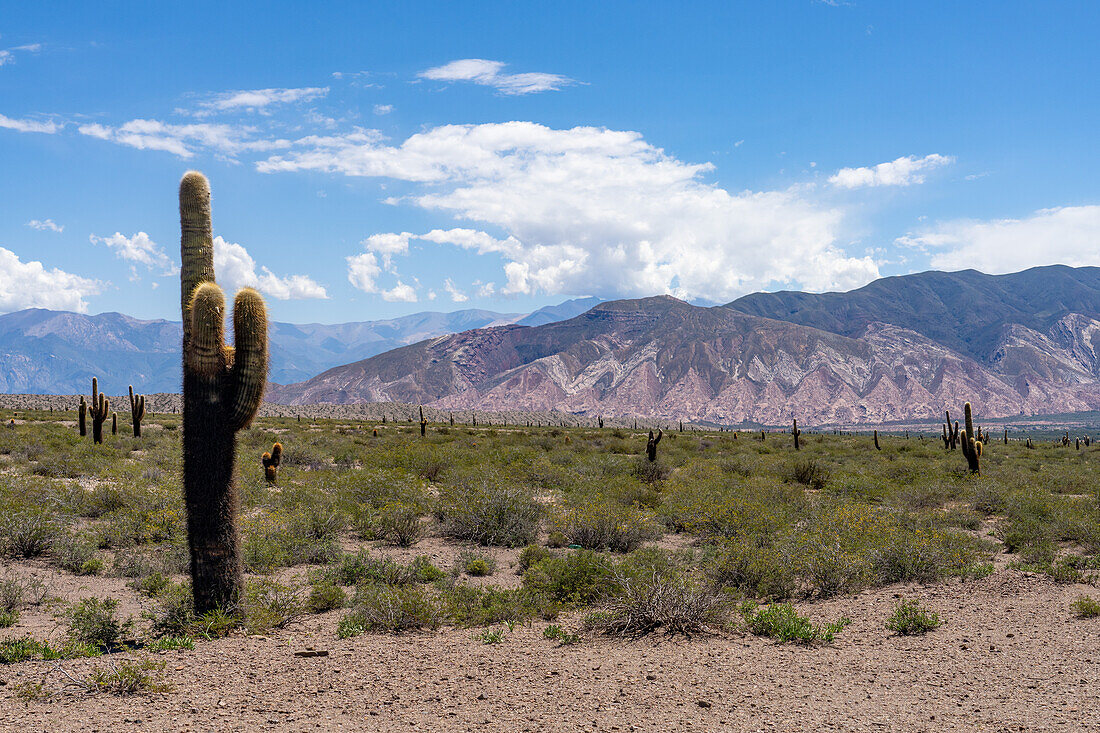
<point x="900" y="348"/>
<point x="57" y="352"/>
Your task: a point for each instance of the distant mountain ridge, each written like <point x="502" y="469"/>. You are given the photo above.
<point x="58" y="352"/>
<point x="899" y="348"/>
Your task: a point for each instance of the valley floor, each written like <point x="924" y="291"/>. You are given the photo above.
<point x="1011" y="656"/>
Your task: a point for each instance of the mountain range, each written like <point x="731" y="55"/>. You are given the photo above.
<point x="58" y="352"/>
<point x="899" y="348"/>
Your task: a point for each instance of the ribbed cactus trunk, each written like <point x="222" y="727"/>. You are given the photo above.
<point x="971" y="447"/>
<point x="82" y="419"/>
<point x="100" y="409"/>
<point x="222" y="390"/>
<point x="137" y="411"/>
<point x="795" y="432"/>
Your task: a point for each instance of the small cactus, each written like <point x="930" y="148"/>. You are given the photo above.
<point x="137" y="411"/>
<point x="114" y="423"/>
<point x="877" y="446"/>
<point x="100" y="409"/>
<point x="795" y="432"/>
<point x="651" y="445"/>
<point x="271" y="462"/>
<point x="971" y="447"/>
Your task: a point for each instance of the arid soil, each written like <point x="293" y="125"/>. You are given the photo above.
<point x="1011" y="656"/>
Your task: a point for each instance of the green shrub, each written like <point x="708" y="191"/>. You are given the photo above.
<point x="601" y="524"/>
<point x="400" y="524"/>
<point x="909" y="618"/>
<point x="325" y="595"/>
<point x="758" y="570"/>
<point x="94" y="621"/>
<point x="1086" y="607"/>
<point x="128" y="678"/>
<point x="270" y="605"/>
<point x="532" y="555"/>
<point x="489" y="510"/>
<point x="781" y="622"/>
<point x="27" y="533"/>
<point x="810" y="472"/>
<point x="671" y="603"/>
<point x="384" y="608"/>
<point x="577" y="578"/>
<point x="361" y="568"/>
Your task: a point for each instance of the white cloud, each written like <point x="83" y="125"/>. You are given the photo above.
<point x="49" y="127"/>
<point x="258" y="100"/>
<point x="363" y="271"/>
<point x="904" y="171"/>
<point x="488" y="73"/>
<point x="46" y="224"/>
<point x="7" y="57"/>
<point x="485" y="290"/>
<point x="183" y="140"/>
<point x="400" y="293"/>
<point x="137" y="250"/>
<point x="31" y="285"/>
<point x="457" y="295"/>
<point x="383" y="109"/>
<point x="388" y="243"/>
<point x="1065" y="235"/>
<point x="236" y="268"/>
<point x="591" y="210"/>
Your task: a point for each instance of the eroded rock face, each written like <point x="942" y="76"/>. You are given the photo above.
<point x="663" y="358"/>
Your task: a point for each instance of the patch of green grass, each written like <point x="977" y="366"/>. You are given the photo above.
<point x="780" y="621"/>
<point x="909" y="618"/>
<point x="1086" y="607"/>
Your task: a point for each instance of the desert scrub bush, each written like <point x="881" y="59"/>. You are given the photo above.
<point x="650" y="472"/>
<point x="362" y="568"/>
<point x="27" y="533"/>
<point x="780" y="621"/>
<point x="76" y="553"/>
<point x="399" y="524"/>
<point x="466" y="605"/>
<point x="325" y="595"/>
<point x="577" y="578"/>
<point x="95" y="622"/>
<point x="270" y="605"/>
<point x="602" y="524"/>
<point x="703" y="500"/>
<point x="672" y="603"/>
<point x="532" y="555"/>
<point x="809" y="472"/>
<point x="1086" y="607"/>
<point x="274" y="539"/>
<point x="127" y="678"/>
<point x="387" y="608"/>
<point x="488" y="509"/>
<point x="476" y="564"/>
<point x="755" y="567"/>
<point x="909" y="618"/>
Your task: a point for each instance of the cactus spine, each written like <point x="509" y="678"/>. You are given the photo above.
<point x="795" y="432"/>
<point x="82" y="419"/>
<point x="100" y="409"/>
<point x="271" y="462"/>
<point x="651" y="445"/>
<point x="971" y="448"/>
<point x="222" y="390"/>
<point x="137" y="411"/>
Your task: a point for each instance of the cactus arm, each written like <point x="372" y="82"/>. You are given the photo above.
<point x="196" y="240"/>
<point x="248" y="377"/>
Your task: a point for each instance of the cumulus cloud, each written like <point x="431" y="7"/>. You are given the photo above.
<point x="457" y="295"/>
<point x="8" y="57"/>
<point x="400" y="293"/>
<point x="137" y="250"/>
<point x="45" y="225"/>
<point x="489" y="73"/>
<point x="904" y="171"/>
<point x="1067" y="235"/>
<point x="31" y="285"/>
<point x="363" y="271"/>
<point x="183" y="140"/>
<point x="48" y="127"/>
<point x="383" y="109"/>
<point x="236" y="269"/>
<point x="258" y="100"/>
<point x="595" y="211"/>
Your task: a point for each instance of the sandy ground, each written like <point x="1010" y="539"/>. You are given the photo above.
<point x="1011" y="656"/>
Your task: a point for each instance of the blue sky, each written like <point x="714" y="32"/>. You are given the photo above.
<point x="374" y="159"/>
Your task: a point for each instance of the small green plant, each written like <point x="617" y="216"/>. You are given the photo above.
<point x="270" y="605"/>
<point x="556" y="633"/>
<point x="128" y="678"/>
<point x="400" y="524"/>
<point x="532" y="555"/>
<point x="95" y="622"/>
<point x="781" y="622"/>
<point x="30" y="692"/>
<point x="170" y="643"/>
<point x="1086" y="607"/>
<point x="909" y="619"/>
<point x="325" y="595"/>
<point x="383" y="608"/>
<point x="491" y="636"/>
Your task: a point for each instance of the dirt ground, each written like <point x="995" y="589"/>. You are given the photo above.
<point x="1010" y="656"/>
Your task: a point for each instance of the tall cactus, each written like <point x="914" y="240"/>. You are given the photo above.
<point x="795" y="432"/>
<point x="100" y="409"/>
<point x="971" y="447"/>
<point x="137" y="411"/>
<point x="222" y="390"/>
<point x="651" y="445"/>
<point x="82" y="419"/>
<point x="423" y="423"/>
